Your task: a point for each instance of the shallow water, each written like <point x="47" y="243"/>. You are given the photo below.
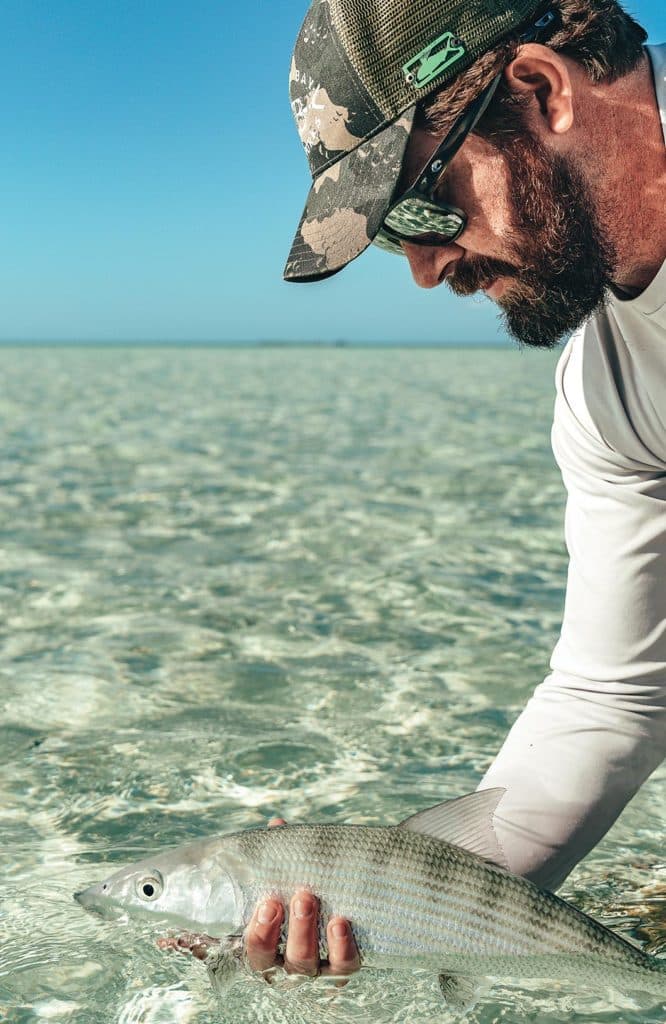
<point x="236" y="583"/>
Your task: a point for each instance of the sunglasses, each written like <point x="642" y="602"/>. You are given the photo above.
<point x="418" y="216"/>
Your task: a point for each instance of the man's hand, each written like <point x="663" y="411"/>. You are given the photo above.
<point x="302" y="952"/>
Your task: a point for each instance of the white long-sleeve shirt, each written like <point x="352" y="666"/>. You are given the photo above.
<point x="596" y="728"/>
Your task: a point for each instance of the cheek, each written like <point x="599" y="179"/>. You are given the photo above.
<point x="488" y="196"/>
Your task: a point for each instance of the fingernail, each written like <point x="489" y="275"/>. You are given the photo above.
<point x="339" y="930"/>
<point x="302" y="908"/>
<point x="267" y="913"/>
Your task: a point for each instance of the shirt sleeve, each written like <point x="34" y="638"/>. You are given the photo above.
<point x="596" y="727"/>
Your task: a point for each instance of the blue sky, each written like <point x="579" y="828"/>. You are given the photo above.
<point x="151" y="180"/>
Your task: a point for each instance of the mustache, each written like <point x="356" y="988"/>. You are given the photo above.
<point x="472" y="274"/>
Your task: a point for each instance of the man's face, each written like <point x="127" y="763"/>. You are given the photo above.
<point x="532" y="240"/>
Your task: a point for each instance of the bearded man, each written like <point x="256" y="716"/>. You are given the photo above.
<point x="518" y="148"/>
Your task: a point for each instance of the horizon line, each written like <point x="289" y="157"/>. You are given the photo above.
<point x="254" y="343"/>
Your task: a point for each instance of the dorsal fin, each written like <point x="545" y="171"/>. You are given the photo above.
<point x="465" y="822"/>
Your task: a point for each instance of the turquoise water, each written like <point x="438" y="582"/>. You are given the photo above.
<point x="235" y="583"/>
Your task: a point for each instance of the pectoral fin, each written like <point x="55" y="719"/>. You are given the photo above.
<point x="224" y="959"/>
<point x="460" y="991"/>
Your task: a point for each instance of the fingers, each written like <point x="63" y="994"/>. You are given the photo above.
<point x="302" y="950"/>
<point x="275" y="822"/>
<point x="302" y="953"/>
<point x="343" y="958"/>
<point x="263" y="935"/>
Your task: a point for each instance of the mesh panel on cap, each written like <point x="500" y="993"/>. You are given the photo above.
<point x="380" y="36"/>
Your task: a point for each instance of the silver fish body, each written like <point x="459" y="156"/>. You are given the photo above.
<point x="414" y="900"/>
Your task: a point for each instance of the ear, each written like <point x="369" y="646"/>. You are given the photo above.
<point x="540" y="73"/>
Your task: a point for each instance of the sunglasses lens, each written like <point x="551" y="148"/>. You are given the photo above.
<point x="414" y="217"/>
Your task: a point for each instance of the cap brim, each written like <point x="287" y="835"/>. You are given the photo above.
<point x="347" y="204"/>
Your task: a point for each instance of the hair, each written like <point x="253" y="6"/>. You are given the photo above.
<point x="598" y="34"/>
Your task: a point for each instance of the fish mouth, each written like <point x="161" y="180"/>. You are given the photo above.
<point x="82" y="897"/>
<point x="96" y="902"/>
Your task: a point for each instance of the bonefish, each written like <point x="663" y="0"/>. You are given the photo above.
<point x="430" y="892"/>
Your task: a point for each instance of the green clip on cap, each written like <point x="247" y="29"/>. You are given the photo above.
<point x="358" y="70"/>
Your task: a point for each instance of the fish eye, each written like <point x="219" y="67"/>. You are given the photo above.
<point x="150" y="886"/>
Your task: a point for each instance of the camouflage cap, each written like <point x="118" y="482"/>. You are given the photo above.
<point x="358" y="70"/>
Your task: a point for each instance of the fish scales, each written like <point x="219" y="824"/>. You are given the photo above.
<point x="401" y="892"/>
<point x="415" y="875"/>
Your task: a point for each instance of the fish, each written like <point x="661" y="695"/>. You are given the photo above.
<point x="432" y="892"/>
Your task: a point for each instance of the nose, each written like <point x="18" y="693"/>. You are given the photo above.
<point x="430" y="264"/>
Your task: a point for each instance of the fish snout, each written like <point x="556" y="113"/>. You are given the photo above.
<point x="88" y="898"/>
<point x="96" y="900"/>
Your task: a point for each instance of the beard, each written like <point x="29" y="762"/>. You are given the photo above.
<point x="561" y="260"/>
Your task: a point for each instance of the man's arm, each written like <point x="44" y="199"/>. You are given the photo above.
<point x="596" y="728"/>
<point x="570" y="766"/>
